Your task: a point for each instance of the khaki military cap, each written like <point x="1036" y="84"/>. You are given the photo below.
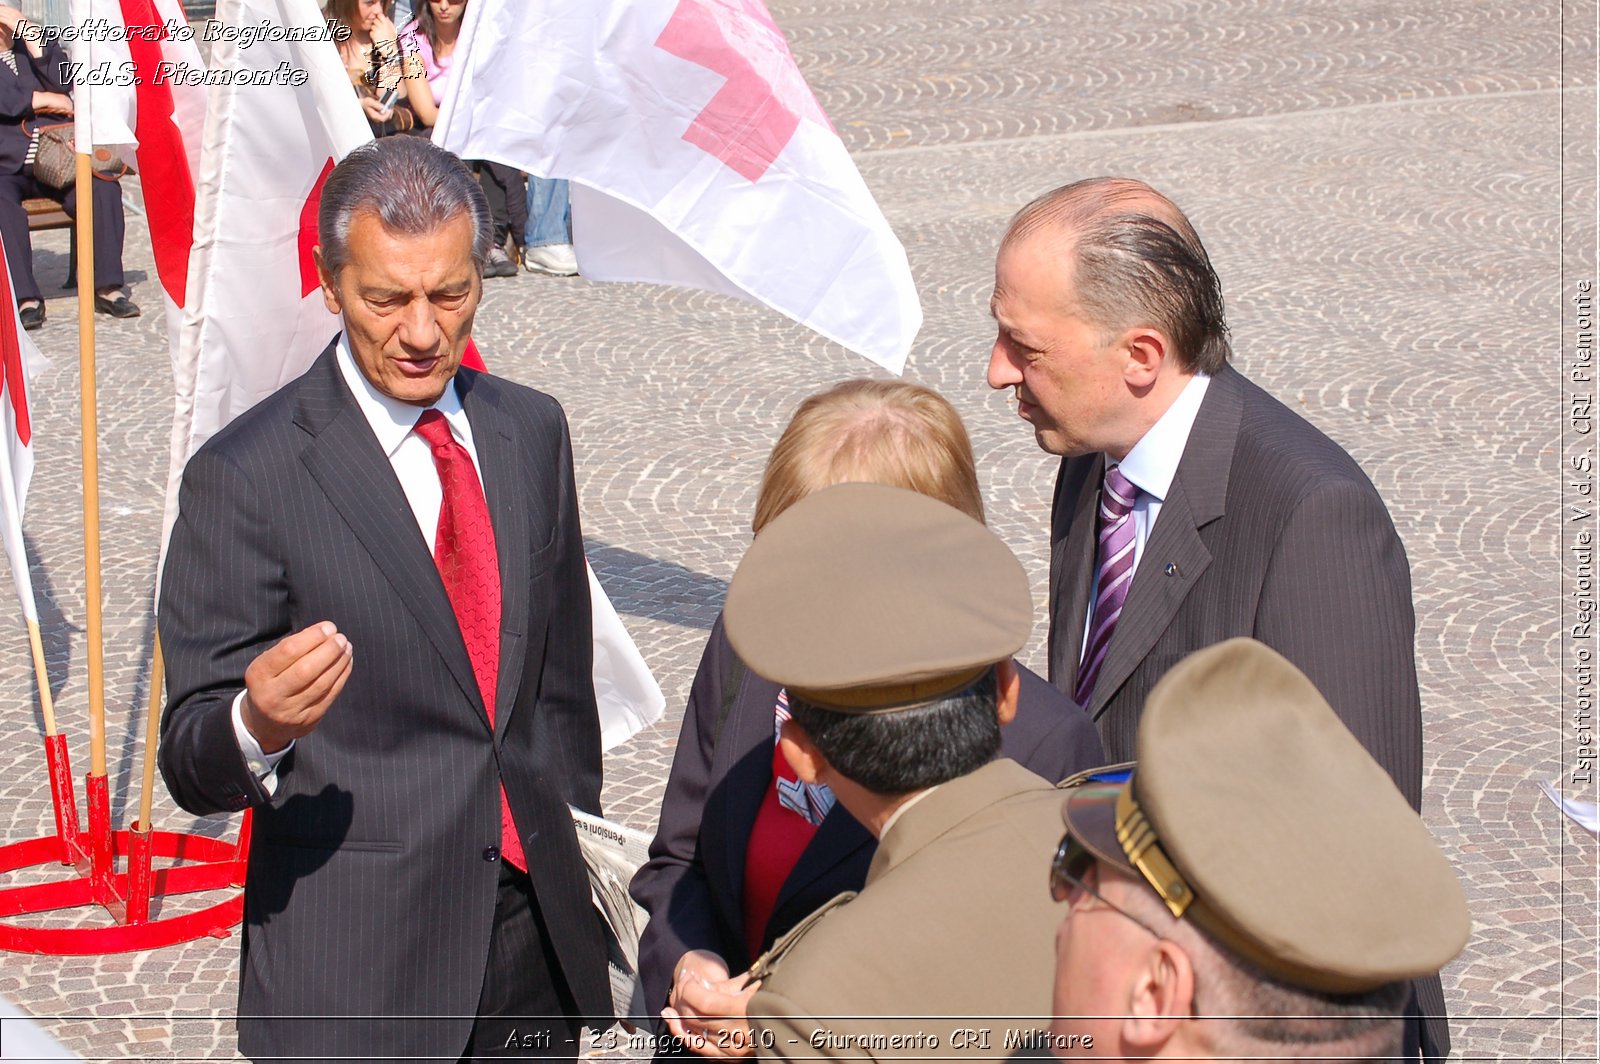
<point x="1255" y="813"/>
<point x="865" y="598"/>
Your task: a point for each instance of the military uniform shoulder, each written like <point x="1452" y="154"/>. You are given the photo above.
<point x="768" y="962"/>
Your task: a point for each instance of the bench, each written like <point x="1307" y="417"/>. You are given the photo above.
<point x="45" y="214"/>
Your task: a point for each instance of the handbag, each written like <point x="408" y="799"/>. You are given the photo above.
<point x="54" y="157"/>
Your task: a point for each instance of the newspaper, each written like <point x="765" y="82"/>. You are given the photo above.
<point x="613" y="853"/>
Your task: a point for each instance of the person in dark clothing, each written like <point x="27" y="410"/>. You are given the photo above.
<point x="33" y="92"/>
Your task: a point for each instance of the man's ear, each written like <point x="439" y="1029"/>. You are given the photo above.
<point x="1008" y="690"/>
<point x="802" y="754"/>
<point x="1160" y="1000"/>
<point x="1147" y="350"/>
<point x="330" y="291"/>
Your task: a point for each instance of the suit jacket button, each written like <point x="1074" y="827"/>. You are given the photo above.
<point x="491" y="853"/>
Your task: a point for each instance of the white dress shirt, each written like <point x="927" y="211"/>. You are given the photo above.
<point x="1151" y="467"/>
<point x="392" y="422"/>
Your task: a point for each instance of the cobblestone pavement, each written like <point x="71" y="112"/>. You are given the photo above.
<point x="1400" y="200"/>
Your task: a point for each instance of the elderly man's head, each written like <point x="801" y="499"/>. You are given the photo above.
<point x="403" y="232"/>
<point x="1255" y="886"/>
<point x="1105" y="304"/>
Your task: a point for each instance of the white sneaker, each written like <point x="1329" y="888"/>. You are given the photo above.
<point x="559" y="260"/>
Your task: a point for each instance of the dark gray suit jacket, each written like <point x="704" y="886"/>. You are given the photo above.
<point x="1271" y="531"/>
<point x="373" y="868"/>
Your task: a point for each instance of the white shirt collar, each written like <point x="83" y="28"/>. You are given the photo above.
<point x="392" y="420"/>
<point x="1153" y="462"/>
<point x="900" y="810"/>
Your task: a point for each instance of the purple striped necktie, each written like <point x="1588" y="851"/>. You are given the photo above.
<point x="1112" y="579"/>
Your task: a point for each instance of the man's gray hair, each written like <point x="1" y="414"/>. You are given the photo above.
<point x="1135" y="260"/>
<point x="412" y="185"/>
<point x="1253" y="1015"/>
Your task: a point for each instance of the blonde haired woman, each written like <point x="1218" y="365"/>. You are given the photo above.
<point x="744" y="851"/>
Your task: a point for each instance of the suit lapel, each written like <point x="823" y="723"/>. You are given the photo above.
<point x="504" y="482"/>
<point x="345" y="460"/>
<point x="747" y="738"/>
<point x="838" y="838"/>
<point x="1175" y="556"/>
<point x="1072" y="565"/>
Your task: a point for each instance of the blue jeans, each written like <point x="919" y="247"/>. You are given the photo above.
<point x="549" y="213"/>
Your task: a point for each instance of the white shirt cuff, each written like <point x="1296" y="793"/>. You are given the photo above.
<point x="263" y="765"/>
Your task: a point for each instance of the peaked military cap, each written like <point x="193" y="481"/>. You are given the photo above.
<point x="1253" y="812"/>
<point x="864" y="598"/>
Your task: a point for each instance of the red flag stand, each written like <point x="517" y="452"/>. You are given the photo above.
<point x="63" y="801"/>
<point x="203" y="863"/>
<point x="213" y="864"/>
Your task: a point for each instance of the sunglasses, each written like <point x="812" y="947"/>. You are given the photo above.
<point x="1068" y="879"/>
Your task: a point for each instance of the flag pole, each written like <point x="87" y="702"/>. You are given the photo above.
<point x="139" y="841"/>
<point x="63" y="800"/>
<point x="102" y="856"/>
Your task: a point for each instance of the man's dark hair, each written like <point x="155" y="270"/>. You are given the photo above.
<point x="1135" y="259"/>
<point x="910" y="749"/>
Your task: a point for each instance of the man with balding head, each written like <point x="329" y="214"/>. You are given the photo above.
<point x="1191" y="506"/>
<point x="1254" y="888"/>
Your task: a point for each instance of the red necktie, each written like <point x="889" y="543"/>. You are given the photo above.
<point x="463" y="549"/>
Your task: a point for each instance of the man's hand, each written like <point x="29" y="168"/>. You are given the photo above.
<point x="290" y="686"/>
<point x="706" y="1009"/>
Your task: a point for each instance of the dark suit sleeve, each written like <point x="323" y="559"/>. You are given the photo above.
<point x="51" y="68"/>
<point x="1336" y="601"/>
<point x="566" y="689"/>
<point x="672" y="886"/>
<point x="16" y="90"/>
<point x="224" y="599"/>
<point x="1050" y="736"/>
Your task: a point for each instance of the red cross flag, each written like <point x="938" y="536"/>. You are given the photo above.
<point x="697" y="153"/>
<point x="20" y="362"/>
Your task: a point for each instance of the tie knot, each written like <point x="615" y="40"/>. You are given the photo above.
<point x="1120" y="493"/>
<point x="432" y="427"/>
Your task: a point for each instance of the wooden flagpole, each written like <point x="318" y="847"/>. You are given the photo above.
<point x="152" y="735"/>
<point x="100" y="848"/>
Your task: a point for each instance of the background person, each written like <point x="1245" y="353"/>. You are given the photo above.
<point x="372" y="57"/>
<point x="547" y="236"/>
<point x="1257" y="890"/>
<point x="743" y="850"/>
<point x="32" y="91"/>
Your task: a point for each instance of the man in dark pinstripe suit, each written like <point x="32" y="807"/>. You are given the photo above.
<point x="376" y="621"/>
<point x="1242" y="519"/>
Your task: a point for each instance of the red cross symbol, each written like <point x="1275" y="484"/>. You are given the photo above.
<point x="751" y="119"/>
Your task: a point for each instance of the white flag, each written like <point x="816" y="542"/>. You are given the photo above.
<point x="99" y="60"/>
<point x="20" y="362"/>
<point x="697" y="152"/>
<point x="254" y="317"/>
